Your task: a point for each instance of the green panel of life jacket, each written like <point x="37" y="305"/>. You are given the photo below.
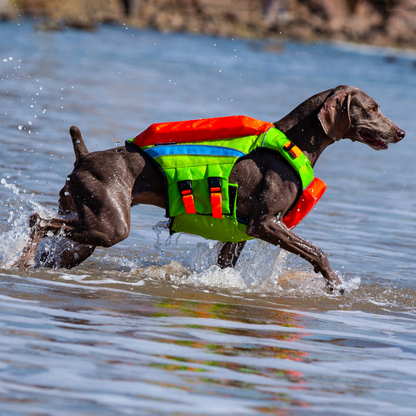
<point x="197" y="168"/>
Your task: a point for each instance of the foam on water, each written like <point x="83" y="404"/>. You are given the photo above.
<point x="280" y="276"/>
<point x="263" y="270"/>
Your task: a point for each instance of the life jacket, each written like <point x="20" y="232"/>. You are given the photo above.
<point x="197" y="156"/>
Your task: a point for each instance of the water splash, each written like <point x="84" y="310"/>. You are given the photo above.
<point x="262" y="268"/>
<point x="158" y="228"/>
<point x="14" y="216"/>
<point x="202" y="257"/>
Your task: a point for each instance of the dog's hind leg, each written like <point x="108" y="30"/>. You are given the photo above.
<point x="64" y="253"/>
<point x="68" y="255"/>
<point x="35" y="235"/>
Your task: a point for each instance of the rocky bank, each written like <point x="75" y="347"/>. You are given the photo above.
<point x="375" y="22"/>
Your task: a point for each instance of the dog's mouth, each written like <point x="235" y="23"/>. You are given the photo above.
<point x="368" y="138"/>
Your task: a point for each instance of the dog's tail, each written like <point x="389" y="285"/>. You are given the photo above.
<point x="79" y="146"/>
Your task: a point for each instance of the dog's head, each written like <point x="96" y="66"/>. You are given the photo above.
<point x="350" y="113"/>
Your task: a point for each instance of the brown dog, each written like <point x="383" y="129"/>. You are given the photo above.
<point x="94" y="204"/>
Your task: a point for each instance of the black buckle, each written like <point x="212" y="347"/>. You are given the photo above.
<point x="214" y="183"/>
<point x="288" y="147"/>
<point x="185" y="187"/>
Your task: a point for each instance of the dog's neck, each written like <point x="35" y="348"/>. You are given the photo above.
<point x="303" y="127"/>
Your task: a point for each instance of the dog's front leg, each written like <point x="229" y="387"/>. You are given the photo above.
<point x="275" y="232"/>
<point x="229" y="254"/>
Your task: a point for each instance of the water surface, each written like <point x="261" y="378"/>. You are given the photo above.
<point x="152" y="326"/>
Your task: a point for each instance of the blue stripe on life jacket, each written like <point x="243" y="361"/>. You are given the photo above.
<point x="178" y="149"/>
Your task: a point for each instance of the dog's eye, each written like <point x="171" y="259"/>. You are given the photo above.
<point x="373" y="109"/>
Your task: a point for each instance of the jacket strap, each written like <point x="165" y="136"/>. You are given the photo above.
<point x="185" y="189"/>
<point x="216" y="198"/>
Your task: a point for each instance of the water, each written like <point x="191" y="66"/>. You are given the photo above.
<point x="152" y="326"/>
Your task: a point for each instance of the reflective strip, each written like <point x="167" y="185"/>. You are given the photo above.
<point x="192" y="150"/>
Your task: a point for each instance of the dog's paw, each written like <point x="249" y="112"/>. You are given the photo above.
<point x="335" y="288"/>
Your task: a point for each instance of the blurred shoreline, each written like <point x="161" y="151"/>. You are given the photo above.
<point x="383" y="23"/>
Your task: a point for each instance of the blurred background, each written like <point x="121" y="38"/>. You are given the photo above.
<point x="376" y="22"/>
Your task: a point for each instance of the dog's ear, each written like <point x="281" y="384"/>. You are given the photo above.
<point x="334" y="114"/>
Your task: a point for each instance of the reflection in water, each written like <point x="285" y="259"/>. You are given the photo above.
<point x="252" y="358"/>
<point x="152" y="336"/>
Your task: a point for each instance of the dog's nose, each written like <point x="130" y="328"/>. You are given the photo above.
<point x="400" y="134"/>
